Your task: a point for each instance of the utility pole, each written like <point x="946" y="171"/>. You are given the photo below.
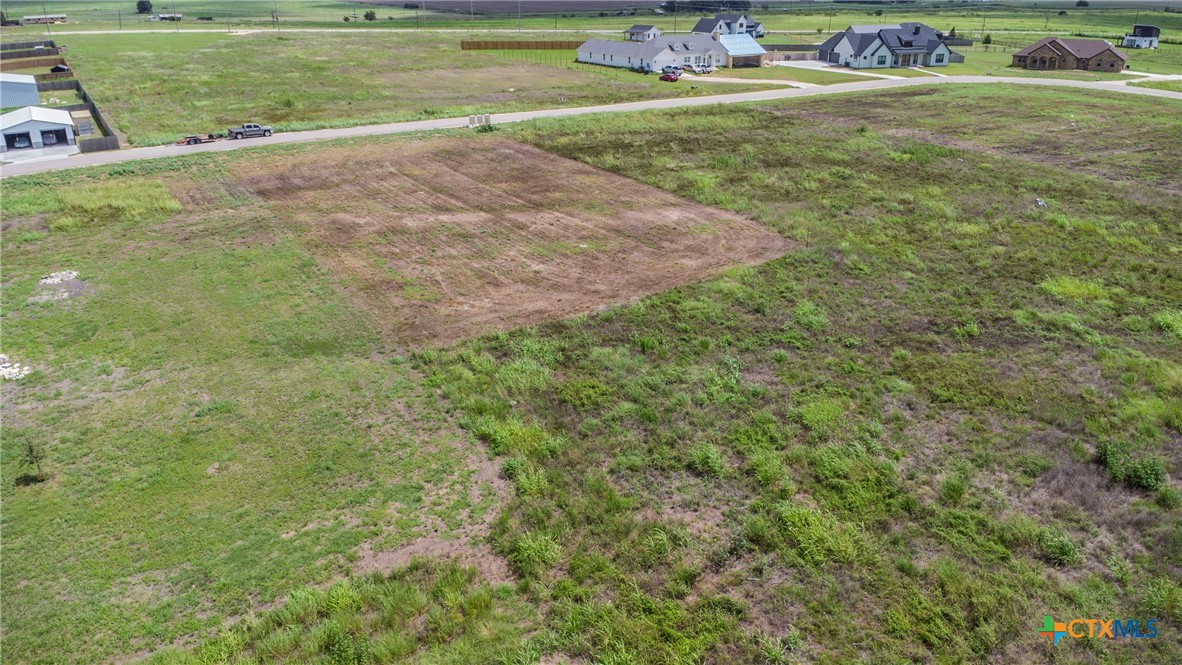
<point x="1046" y="21"/>
<point x="48" y="31"/>
<point x="518" y="15"/>
<point x="983" y="22"/>
<point x="275" y="16"/>
<point x="120" y="19"/>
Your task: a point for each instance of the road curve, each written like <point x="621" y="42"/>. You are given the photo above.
<point x="117" y="156"/>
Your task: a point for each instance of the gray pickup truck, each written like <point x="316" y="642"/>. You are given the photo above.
<point x="248" y="130"/>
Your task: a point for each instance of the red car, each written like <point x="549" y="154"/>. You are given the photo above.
<point x="672" y="78"/>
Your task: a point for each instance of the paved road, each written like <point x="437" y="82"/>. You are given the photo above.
<point x="115" y="156"/>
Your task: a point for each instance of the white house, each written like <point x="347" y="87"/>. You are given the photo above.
<point x="729" y="24"/>
<point x="654" y="54"/>
<point x="642" y="33"/>
<point x="1144" y="36"/>
<point x="36" y="127"/>
<point x="894" y="45"/>
<point x="18" y="90"/>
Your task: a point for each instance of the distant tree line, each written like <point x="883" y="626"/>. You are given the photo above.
<point x="705" y="6"/>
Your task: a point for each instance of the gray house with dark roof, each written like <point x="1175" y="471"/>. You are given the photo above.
<point x="893" y="45"/>
<point x="729" y="24"/>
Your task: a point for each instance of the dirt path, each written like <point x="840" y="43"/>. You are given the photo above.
<point x="114" y="157"/>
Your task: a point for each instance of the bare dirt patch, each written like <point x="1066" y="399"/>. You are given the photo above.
<point x="450" y="238"/>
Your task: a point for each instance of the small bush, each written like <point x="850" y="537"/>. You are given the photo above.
<point x="1074" y="289"/>
<point x="534" y="553"/>
<point x="1169" y="498"/>
<point x="1146" y="473"/>
<point x="953" y="489"/>
<point x="809" y="316"/>
<point x="706" y="460"/>
<point x="1170" y="321"/>
<point x="1059" y="549"/>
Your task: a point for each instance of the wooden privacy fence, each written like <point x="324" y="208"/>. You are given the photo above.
<point x="30" y="63"/>
<point x="28" y="53"/>
<point x="14" y="46"/>
<point x="492" y="45"/>
<point x="107" y="142"/>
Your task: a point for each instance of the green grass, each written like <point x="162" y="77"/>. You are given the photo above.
<point x="157" y="88"/>
<point x="792" y="74"/>
<point x="808" y="21"/>
<point x="884" y="446"/>
<point x="1172" y="86"/>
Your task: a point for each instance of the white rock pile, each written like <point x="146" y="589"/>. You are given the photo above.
<point x="11" y="371"/>
<point x="59" y="277"/>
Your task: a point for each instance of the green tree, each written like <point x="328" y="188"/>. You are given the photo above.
<point x="143" y="7"/>
<point x="988" y="40"/>
<point x="32" y="455"/>
<point x="371" y="15"/>
<point x="1082" y="3"/>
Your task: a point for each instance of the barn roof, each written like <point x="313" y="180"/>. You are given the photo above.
<point x="18" y="78"/>
<point x="21" y="116"/>
<point x="741" y="45"/>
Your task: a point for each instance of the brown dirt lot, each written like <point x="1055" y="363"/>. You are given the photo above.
<point x="448" y="238"/>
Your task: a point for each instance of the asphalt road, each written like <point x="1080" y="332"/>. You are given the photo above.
<point x="116" y="156"/>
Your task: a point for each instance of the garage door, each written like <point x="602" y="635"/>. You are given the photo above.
<point x="18" y="141"/>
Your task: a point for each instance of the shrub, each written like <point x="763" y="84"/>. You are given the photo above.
<point x="953" y="489"/>
<point x="819" y="537"/>
<point x="1169" y="498"/>
<point x="809" y="316"/>
<point x="1074" y="289"/>
<point x="706" y="460"/>
<point x="1170" y="321"/>
<point x="1059" y="549"/>
<point x="534" y="553"/>
<point x="1146" y="473"/>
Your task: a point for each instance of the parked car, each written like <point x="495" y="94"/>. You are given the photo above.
<point x="672" y="78"/>
<point x="22" y="141"/>
<point x="672" y="69"/>
<point x="247" y="130"/>
<point x="702" y="69"/>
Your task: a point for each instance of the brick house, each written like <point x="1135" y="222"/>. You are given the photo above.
<point x="1093" y="55"/>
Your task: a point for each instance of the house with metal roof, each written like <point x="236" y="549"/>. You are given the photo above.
<point x="654" y="54"/>
<point x="729" y="24"/>
<point x="1144" y="36"/>
<point x="890" y="45"/>
<point x="742" y="50"/>
<point x="35" y="127"/>
<point x="18" y="90"/>
<point x="1093" y="55"/>
<point x="642" y="33"/>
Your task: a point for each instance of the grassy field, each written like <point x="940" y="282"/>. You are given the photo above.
<point x="946" y="413"/>
<point x="156" y="88"/>
<point x="1109" y="19"/>
<point x="1175" y="86"/>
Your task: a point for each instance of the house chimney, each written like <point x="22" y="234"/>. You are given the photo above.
<point x="916" y="30"/>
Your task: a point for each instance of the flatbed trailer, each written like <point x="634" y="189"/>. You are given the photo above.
<point x="195" y="139"/>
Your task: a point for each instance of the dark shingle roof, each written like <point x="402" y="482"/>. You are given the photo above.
<point x="705" y="25"/>
<point x="639" y="29"/>
<point x="1080" y="48"/>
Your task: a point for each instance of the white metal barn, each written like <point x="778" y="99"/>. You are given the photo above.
<point x="18" y="90"/>
<point x="36" y="127"/>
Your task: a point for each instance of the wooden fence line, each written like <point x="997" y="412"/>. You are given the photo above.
<point x="12" y="46"/>
<point x="494" y="45"/>
<point x="29" y="63"/>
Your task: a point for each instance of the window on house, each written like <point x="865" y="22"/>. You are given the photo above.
<point x="882" y="59"/>
<point x="939" y="58"/>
